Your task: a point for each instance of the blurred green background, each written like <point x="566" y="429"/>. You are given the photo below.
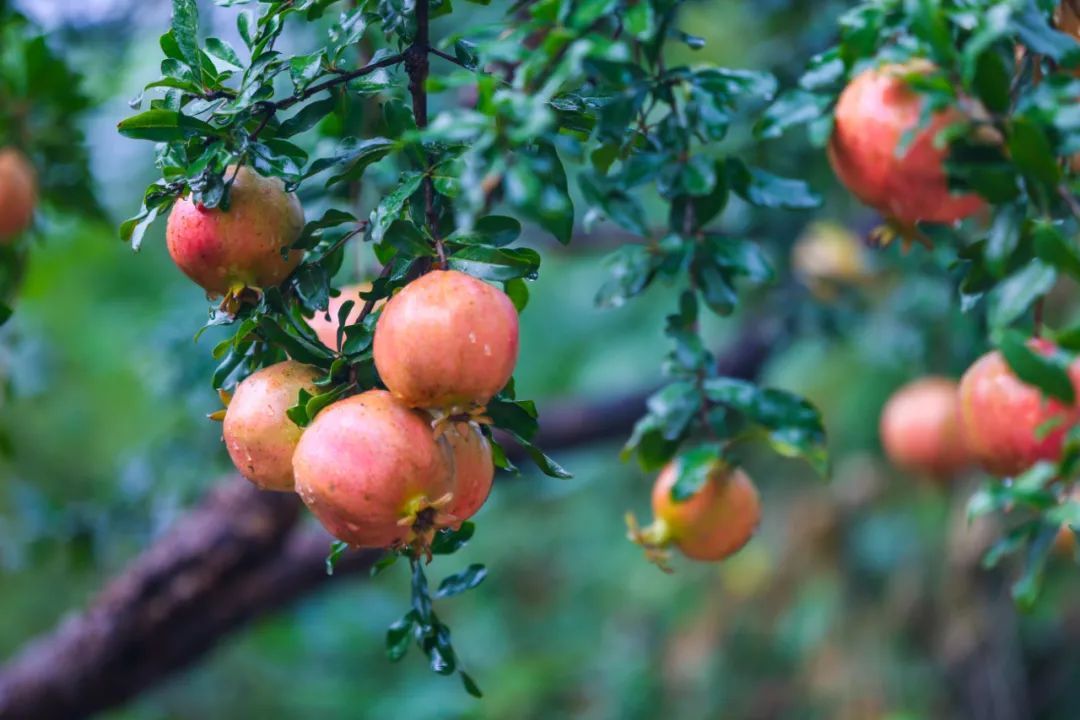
<point x="847" y="604"/>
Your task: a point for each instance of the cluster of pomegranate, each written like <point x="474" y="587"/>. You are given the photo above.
<point x="712" y="524"/>
<point x="18" y="194"/>
<point x="877" y="112"/>
<point x="384" y="467"/>
<point x="937" y="427"/>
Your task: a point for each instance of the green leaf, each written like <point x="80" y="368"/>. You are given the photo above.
<point x="336" y="549"/>
<point x="449" y="541"/>
<point x="497" y="264"/>
<point x="1032" y="152"/>
<point x="303" y="69"/>
<point x="794" y="427"/>
<point x="185" y="26"/>
<point x="307" y="117"/>
<point x="1049" y="374"/>
<point x="389" y="209"/>
<point x="536" y="186"/>
<point x="398" y="636"/>
<point x="693" y="469"/>
<point x="632" y="268"/>
<point x="223" y="51"/>
<point x="493" y="230"/>
<point x="164" y="125"/>
<point x="518" y="292"/>
<point x="1052" y="247"/>
<point x="770" y="191"/>
<point x="1013" y="296"/>
<point x="462" y="581"/>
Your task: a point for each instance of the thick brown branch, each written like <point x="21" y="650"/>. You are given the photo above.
<point x="235" y="558"/>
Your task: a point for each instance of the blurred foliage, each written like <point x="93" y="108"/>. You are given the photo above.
<point x="844" y="606"/>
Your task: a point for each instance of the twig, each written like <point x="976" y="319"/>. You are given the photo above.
<point x="450" y="58"/>
<point x="417" y="66"/>
<point x="272" y="107"/>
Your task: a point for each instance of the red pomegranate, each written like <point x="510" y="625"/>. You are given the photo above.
<point x="446" y="341"/>
<point x="711" y="525"/>
<point x="474" y="470"/>
<point x="920" y="428"/>
<point x="259" y="435"/>
<point x="245" y="246"/>
<point x="327" y="329"/>
<point x="372" y="471"/>
<point x="18" y="194"/>
<point x="1008" y="425"/>
<point x="873" y="115"/>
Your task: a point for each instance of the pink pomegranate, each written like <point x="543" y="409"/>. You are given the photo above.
<point x="258" y="434"/>
<point x="447" y="341"/>
<point x="873" y="115"/>
<point x="920" y="428"/>
<point x="712" y="524"/>
<point x="18" y="194"/>
<point x="473" y="468"/>
<point x="372" y="471"/>
<point x="1009" y="425"/>
<point x="246" y="246"/>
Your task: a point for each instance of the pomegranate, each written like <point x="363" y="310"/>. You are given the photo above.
<point x="372" y="471"/>
<point x="227" y="251"/>
<point x="18" y="194"/>
<point x="258" y="434"/>
<point x="1007" y="423"/>
<point x="713" y="524"/>
<point x="920" y="428"/>
<point x="327" y="329"/>
<point x="873" y="114"/>
<point x="447" y="341"/>
<point x="473" y="468"/>
<point x="827" y="257"/>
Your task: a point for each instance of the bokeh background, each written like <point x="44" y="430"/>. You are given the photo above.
<point x="860" y="597"/>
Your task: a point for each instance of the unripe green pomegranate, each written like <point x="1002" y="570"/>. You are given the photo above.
<point x="874" y="114"/>
<point x="372" y="471"/>
<point x="920" y="428"/>
<point x="446" y="341"/>
<point x="246" y="246"/>
<point x="18" y="194"/>
<point x="1007" y="424"/>
<point x="259" y="435"/>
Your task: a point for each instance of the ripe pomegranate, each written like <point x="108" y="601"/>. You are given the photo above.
<point x="1005" y="421"/>
<point x="226" y="251"/>
<point x="920" y="428"/>
<point x="18" y="194"/>
<point x="373" y="473"/>
<point x="327" y="329"/>
<point x="873" y="114"/>
<point x="474" y="470"/>
<point x="712" y="524"/>
<point x="258" y="434"/>
<point x="446" y="341"/>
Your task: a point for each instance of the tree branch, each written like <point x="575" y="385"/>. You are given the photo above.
<point x="235" y="558"/>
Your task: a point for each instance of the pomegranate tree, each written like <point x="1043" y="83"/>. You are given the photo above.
<point x="372" y="471"/>
<point x="259" y="435"/>
<point x="447" y="341"/>
<point x="874" y="115"/>
<point x="18" y="194"/>
<point x="1007" y="424"/>
<point x="246" y="245"/>
<point x="920" y="428"/>
<point x="712" y="524"/>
